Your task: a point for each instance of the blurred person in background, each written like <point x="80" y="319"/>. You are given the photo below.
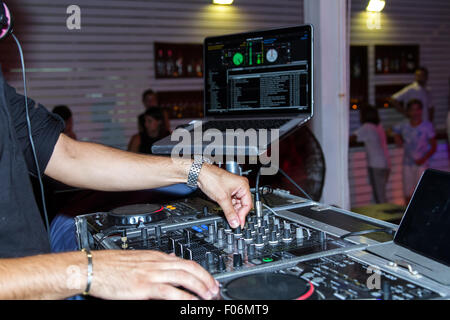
<point x="416" y="90"/>
<point x="150" y="100"/>
<point x="418" y="139"/>
<point x="65" y="113"/>
<point x="154" y="129"/>
<point x="372" y="134"/>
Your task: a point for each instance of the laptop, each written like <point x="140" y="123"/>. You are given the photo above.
<point x="254" y="80"/>
<point x="423" y="237"/>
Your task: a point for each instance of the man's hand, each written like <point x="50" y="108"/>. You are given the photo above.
<point x="230" y="191"/>
<point x="140" y="274"/>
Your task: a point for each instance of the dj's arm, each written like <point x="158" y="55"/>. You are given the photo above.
<point x="137" y="274"/>
<point x="97" y="167"/>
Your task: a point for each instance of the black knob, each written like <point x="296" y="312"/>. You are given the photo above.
<point x="276" y="228"/>
<point x="230" y="238"/>
<point x="158" y="232"/>
<point x="144" y="234"/>
<point x="238" y="230"/>
<point x="251" y="226"/>
<point x="222" y="265"/>
<point x="287" y="234"/>
<point x="259" y="239"/>
<point x="212" y="233"/>
<point x="237" y="260"/>
<point x="209" y="258"/>
<point x="251" y="249"/>
<point x="220" y="234"/>
<point x="273" y="236"/>
<point x="240" y="244"/>
<point x="247" y="234"/>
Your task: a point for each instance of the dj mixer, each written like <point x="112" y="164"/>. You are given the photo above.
<point x="291" y="252"/>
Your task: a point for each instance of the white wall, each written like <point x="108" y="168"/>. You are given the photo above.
<point x="101" y="70"/>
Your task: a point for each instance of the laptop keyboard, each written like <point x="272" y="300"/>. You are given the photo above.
<point x="222" y="125"/>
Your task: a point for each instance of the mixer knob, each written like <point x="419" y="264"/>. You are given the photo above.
<point x="230" y="239"/>
<point x="262" y="230"/>
<point x="259" y="240"/>
<point x="205" y="211"/>
<point x="273" y="238"/>
<point x="212" y="232"/>
<point x="299" y="233"/>
<point x="251" y="249"/>
<point x="277" y="222"/>
<point x="251" y="227"/>
<point x="287" y="235"/>
<point x="247" y="235"/>
<point x="222" y="265"/>
<point x="209" y="258"/>
<point x="240" y="244"/>
<point x="220" y="234"/>
<point x="144" y="234"/>
<point x="158" y="232"/>
<point x="238" y="231"/>
<point x="276" y="228"/>
<point x="237" y="260"/>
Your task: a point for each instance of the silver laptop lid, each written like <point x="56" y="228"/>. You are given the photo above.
<point x="259" y="73"/>
<point x="425" y="226"/>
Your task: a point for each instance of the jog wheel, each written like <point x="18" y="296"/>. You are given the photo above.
<point x="267" y="286"/>
<point x="135" y="214"/>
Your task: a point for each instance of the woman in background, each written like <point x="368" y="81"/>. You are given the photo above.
<point x="154" y="130"/>
<point x="372" y="134"/>
<point x="65" y="113"/>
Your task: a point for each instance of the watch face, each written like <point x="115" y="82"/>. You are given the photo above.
<point x="272" y="55"/>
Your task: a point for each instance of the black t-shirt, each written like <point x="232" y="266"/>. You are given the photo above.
<point x="22" y="231"/>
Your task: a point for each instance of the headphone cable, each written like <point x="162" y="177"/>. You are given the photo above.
<point x="30" y="135"/>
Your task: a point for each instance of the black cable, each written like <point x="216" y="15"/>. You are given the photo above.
<point x="257" y="194"/>
<point x="359" y="233"/>
<point x="294" y="183"/>
<point x="30" y="135"/>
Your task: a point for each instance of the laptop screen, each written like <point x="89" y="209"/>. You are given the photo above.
<point x="425" y="227"/>
<point x="259" y="72"/>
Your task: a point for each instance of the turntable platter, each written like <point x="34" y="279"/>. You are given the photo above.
<point x="136" y="213"/>
<point x="267" y="286"/>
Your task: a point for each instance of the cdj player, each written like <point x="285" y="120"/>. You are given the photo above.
<point x="299" y="249"/>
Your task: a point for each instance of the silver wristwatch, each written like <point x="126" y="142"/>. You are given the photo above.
<point x="194" y="171"/>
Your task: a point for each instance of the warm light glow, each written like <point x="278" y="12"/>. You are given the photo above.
<point x="223" y="2"/>
<point x="375" y="5"/>
<point x="373" y="20"/>
<point x="354" y="107"/>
